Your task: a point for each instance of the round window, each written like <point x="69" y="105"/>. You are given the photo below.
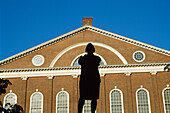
<point x="38" y="60"/>
<point x="139" y="56"/>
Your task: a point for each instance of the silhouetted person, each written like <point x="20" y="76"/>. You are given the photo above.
<point x="89" y="79"/>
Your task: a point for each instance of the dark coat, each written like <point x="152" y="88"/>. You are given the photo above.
<point x="90" y="77"/>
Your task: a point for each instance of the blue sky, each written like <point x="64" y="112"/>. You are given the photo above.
<point x="27" y="23"/>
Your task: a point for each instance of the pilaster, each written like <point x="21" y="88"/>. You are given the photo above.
<point x="75" y="93"/>
<point x="101" y="105"/>
<point x="129" y="93"/>
<point x="156" y="107"/>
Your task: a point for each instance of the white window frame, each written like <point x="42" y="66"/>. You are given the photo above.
<point x="41" y="100"/>
<point x="163" y="97"/>
<point x="67" y="100"/>
<point x="10" y="94"/>
<point x="102" y="59"/>
<point x="144" y="56"/>
<point x="121" y="99"/>
<point x="149" y="105"/>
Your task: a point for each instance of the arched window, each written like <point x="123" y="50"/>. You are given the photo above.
<point x="166" y="99"/>
<point x="36" y="103"/>
<point x="143" y="101"/>
<point x="10" y="98"/>
<point x="75" y="61"/>
<point x="62" y="102"/>
<point x="116" y="101"/>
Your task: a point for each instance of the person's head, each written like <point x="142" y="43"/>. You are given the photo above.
<point x="90" y="48"/>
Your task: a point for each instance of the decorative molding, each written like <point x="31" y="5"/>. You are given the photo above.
<point x="127" y="69"/>
<point x="50" y="76"/>
<point x="153" y="72"/>
<point x="102" y="74"/>
<point x="75" y="75"/>
<point x="141" y="86"/>
<point x="80" y="30"/>
<point x="62" y="89"/>
<point x="127" y="73"/>
<point x="24" y="77"/>
<point x="167" y="68"/>
<point x="143" y="65"/>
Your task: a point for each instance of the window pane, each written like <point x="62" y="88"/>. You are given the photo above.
<point x="143" y="101"/>
<point x="62" y="103"/>
<point x="87" y="106"/>
<point x="116" y="102"/>
<point x="36" y="103"/>
<point x="10" y="98"/>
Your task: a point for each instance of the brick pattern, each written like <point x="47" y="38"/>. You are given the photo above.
<point x="127" y="84"/>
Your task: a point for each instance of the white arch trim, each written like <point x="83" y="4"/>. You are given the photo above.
<point x="164" y="97"/>
<point x="86" y="53"/>
<point x="121" y="99"/>
<point x="67" y="100"/>
<point x="83" y="44"/>
<point x="149" y="105"/>
<point x="15" y="96"/>
<point x="41" y="100"/>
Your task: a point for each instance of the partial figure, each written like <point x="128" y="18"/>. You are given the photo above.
<point x="89" y="78"/>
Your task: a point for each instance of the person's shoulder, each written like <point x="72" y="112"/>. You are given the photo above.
<point x="82" y="57"/>
<point x="97" y="57"/>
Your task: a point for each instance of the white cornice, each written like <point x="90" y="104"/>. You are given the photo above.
<point x="71" y="71"/>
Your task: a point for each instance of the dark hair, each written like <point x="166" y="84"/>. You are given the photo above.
<point x="90" y="48"/>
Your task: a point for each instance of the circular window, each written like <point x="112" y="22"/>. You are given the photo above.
<point x="38" y="60"/>
<point x="139" y="56"/>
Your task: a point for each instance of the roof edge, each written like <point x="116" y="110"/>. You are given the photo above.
<point x="129" y="40"/>
<point x="79" y="30"/>
<point x="43" y="45"/>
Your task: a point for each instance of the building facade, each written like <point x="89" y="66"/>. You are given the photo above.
<point x="135" y="76"/>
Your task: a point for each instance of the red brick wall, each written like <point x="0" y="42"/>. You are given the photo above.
<point x="127" y="84"/>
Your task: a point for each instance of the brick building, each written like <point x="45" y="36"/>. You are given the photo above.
<point x="135" y="76"/>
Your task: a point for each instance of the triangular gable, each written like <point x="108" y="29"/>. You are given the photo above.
<point x="80" y="30"/>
